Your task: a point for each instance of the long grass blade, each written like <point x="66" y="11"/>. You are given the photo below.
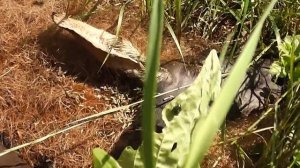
<point x="118" y="30"/>
<point x="152" y="64"/>
<point x="192" y="7"/>
<point x="225" y="47"/>
<point x="178" y="11"/>
<point x="148" y="5"/>
<point x="205" y="134"/>
<point x="175" y="40"/>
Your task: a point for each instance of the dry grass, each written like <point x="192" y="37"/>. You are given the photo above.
<point x="37" y="96"/>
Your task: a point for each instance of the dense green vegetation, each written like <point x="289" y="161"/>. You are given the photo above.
<point x="282" y="150"/>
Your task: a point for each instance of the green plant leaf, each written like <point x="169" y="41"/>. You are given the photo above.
<point x="277" y="69"/>
<point x="178" y="17"/>
<point x="172" y="146"/>
<point x="181" y="113"/>
<point x="175" y="40"/>
<point x="199" y="95"/>
<point x="127" y="158"/>
<point x="297" y="72"/>
<point x="101" y="159"/>
<point x="287" y="65"/>
<point x="131" y="158"/>
<point x="152" y="64"/>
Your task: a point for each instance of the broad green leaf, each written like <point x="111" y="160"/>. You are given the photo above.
<point x="200" y="93"/>
<point x="127" y="158"/>
<point x="289" y="52"/>
<point x="277" y="69"/>
<point x="131" y="158"/>
<point x="181" y="113"/>
<point x="101" y="159"/>
<point x="172" y="146"/>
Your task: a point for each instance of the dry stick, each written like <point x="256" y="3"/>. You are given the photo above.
<point x="39" y="140"/>
<point x="8" y="71"/>
<point x="85" y="120"/>
<point x="97" y="115"/>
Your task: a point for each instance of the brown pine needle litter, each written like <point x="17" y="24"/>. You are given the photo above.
<point x="48" y="80"/>
<point x="40" y="93"/>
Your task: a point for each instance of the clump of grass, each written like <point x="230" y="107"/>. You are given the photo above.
<point x="283" y="147"/>
<point x="216" y="19"/>
<point x="81" y="9"/>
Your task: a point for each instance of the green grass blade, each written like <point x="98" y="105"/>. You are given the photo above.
<point x="205" y="132"/>
<point x="118" y="30"/>
<point x="192" y="7"/>
<point x="120" y="19"/>
<point x="148" y="5"/>
<point x="87" y="15"/>
<point x="152" y="64"/>
<point x="225" y="47"/>
<point x="276" y="30"/>
<point x="175" y="40"/>
<point x="178" y="18"/>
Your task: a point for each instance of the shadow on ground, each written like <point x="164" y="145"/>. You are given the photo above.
<point x="70" y="57"/>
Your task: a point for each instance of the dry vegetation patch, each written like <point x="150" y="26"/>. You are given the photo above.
<point x="40" y="93"/>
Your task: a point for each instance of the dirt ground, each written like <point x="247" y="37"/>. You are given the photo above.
<point x="48" y="80"/>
